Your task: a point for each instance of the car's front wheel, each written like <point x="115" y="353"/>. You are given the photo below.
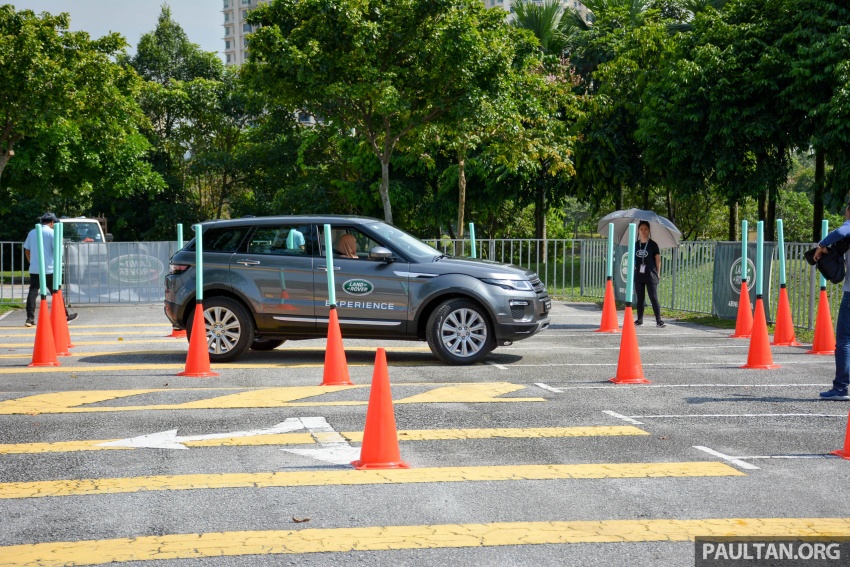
<point x="459" y="332"/>
<point x="230" y="329"/>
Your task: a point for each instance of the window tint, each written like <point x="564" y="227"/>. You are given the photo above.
<point x="284" y="240"/>
<point x="221" y="239"/>
<point x="350" y="243"/>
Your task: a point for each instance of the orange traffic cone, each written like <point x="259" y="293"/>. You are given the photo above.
<point x="380" y="438"/>
<point x="336" y="368"/>
<point x="609" y="311"/>
<point x="759" y="354"/>
<point x="824" y="342"/>
<point x="59" y="323"/>
<point x="198" y="357"/>
<point x="783" y="334"/>
<point x="44" y="349"/>
<point x="845" y="452"/>
<point x="176" y="334"/>
<point x="744" y="321"/>
<point x="629" y="368"/>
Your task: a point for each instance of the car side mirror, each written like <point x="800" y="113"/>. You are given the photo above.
<point x="381" y="254"/>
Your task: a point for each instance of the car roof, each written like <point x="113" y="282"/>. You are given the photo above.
<point x="311" y="219"/>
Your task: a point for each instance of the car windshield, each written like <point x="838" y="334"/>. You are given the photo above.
<point x="411" y="246"/>
<point x="77" y="231"/>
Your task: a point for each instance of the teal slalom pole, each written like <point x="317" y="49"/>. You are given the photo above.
<point x="329" y="262"/>
<point x="180" y="237"/>
<point x="58" y="254"/>
<point x="472" y="240"/>
<point x="199" y="263"/>
<point x="42" y="277"/>
<point x="824" y="230"/>
<point x="610" y="250"/>
<point x="630" y="279"/>
<point x="759" y="258"/>
<point x="745" y="237"/>
<point x="780" y="231"/>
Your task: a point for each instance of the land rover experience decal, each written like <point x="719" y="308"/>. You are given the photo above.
<point x="358" y="287"/>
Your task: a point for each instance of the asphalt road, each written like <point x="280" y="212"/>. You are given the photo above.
<point x="531" y="458"/>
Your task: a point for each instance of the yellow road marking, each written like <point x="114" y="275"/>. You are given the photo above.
<point x="353" y="436"/>
<point x="119" y="340"/>
<point x="128" y="332"/>
<point x="68" y="402"/>
<point x="383" y="538"/>
<point x="78" y="487"/>
<point x="182" y="351"/>
<point x="165" y="328"/>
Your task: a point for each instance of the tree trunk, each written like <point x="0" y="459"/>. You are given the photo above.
<point x="671" y="212"/>
<point x="762" y="205"/>
<point x="817" y="198"/>
<point x="618" y="198"/>
<point x="646" y="198"/>
<point x="733" y="222"/>
<point x="770" y="228"/>
<point x="385" y="188"/>
<point x="461" y="189"/>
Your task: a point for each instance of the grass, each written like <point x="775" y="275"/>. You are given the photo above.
<point x="6" y="307"/>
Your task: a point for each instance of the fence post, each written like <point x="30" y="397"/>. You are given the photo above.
<point x="673" y="278"/>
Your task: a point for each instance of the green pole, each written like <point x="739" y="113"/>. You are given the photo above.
<point x="745" y="237"/>
<point x="781" y="243"/>
<point x="58" y="254"/>
<point x="610" y="250"/>
<point x="180" y="237"/>
<point x="472" y="240"/>
<point x="630" y="279"/>
<point x="42" y="277"/>
<point x="199" y="263"/>
<point x="329" y="262"/>
<point x="824" y="230"/>
<point x="759" y="258"/>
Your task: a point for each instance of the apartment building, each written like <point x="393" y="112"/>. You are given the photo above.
<point x="236" y="29"/>
<point x="506" y="6"/>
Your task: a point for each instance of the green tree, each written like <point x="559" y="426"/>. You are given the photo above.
<point x="381" y="69"/>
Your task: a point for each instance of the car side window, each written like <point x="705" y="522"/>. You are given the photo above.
<point x="282" y="241"/>
<point x="349" y="243"/>
<point x="221" y="239"/>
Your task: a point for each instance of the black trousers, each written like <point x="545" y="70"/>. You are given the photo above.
<point x="640" y="290"/>
<point x="35" y="291"/>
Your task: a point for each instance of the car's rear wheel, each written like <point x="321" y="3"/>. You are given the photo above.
<point x="459" y="332"/>
<point x="230" y="329"/>
<point x="266" y="344"/>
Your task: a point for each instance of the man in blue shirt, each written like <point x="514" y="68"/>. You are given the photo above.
<point x="31" y="253"/>
<point x="842" y="326"/>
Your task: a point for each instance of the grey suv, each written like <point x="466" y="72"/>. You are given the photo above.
<point x="265" y="281"/>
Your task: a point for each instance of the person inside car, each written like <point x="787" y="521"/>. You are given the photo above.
<point x="347" y="246"/>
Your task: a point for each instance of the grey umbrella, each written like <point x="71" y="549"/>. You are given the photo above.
<point x="661" y="230"/>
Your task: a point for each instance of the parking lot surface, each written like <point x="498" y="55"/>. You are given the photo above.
<point x="530" y="458"/>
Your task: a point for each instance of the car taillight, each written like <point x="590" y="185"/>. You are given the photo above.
<point x="177" y="268"/>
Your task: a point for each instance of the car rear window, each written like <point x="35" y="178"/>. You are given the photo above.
<point x="224" y="239"/>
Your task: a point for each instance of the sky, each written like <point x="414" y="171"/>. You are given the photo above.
<point x="200" y="19"/>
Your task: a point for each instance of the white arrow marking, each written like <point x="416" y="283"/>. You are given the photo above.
<point x="170" y="439"/>
<point x="333" y="448"/>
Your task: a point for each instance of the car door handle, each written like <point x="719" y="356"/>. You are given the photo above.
<point x="248" y="262"/>
<point x="325" y="268"/>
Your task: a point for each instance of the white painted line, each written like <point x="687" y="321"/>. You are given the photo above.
<point x="644" y="386"/>
<point x="592" y="333"/>
<point x="499" y="366"/>
<point x="727" y="458"/>
<point x="641" y="348"/>
<point x="623" y="417"/>
<point x="545" y="387"/>
<point x="741" y="415"/>
<point x="333" y="448"/>
<point x="727" y="365"/>
<point x="790" y="457"/>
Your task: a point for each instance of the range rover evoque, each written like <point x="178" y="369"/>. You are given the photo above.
<point x="265" y="282"/>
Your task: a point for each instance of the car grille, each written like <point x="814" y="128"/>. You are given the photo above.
<point x="542" y="294"/>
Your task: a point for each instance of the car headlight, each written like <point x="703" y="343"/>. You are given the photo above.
<point x="516" y="285"/>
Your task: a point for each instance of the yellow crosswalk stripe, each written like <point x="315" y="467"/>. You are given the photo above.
<point x="79" y="401"/>
<point x="352" y="436"/>
<point x="78" y="487"/>
<point x="383" y="538"/>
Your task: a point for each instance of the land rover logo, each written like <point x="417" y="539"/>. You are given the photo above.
<point x="624" y="267"/>
<point x="136" y="268"/>
<point x="735" y="275"/>
<point x="358" y="287"/>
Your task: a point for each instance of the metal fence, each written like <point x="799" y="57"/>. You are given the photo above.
<point x="121" y="272"/>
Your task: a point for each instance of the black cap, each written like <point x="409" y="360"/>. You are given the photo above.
<point x="48" y="218"/>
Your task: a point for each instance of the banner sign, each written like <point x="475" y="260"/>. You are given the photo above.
<point x="728" y="273"/>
